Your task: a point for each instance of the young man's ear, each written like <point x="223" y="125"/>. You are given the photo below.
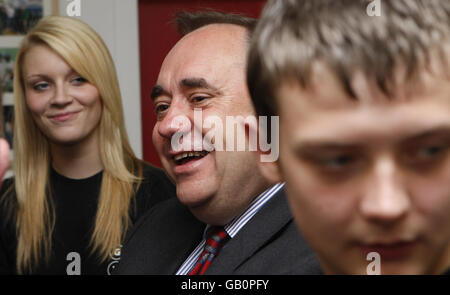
<point x="267" y="153"/>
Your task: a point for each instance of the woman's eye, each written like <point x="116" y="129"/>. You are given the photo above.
<point x="40" y="86"/>
<point x="79" y="80"/>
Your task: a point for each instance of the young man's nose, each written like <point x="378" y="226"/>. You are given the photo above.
<point x="385" y="199"/>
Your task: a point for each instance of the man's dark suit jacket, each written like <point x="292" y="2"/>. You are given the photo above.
<point x="268" y="244"/>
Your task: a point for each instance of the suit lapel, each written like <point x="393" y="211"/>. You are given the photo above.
<point x="188" y="232"/>
<point x="166" y="238"/>
<point x="254" y="235"/>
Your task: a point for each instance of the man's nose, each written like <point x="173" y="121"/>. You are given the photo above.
<point x="386" y="198"/>
<point x="177" y="120"/>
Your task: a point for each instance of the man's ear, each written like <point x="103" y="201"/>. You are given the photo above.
<point x="268" y="164"/>
<point x="270" y="170"/>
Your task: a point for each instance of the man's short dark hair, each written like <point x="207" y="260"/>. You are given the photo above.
<point x="188" y="22"/>
<point x="293" y="34"/>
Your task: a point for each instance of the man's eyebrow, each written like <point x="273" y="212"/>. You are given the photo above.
<point x="157" y="91"/>
<point x="197" y="83"/>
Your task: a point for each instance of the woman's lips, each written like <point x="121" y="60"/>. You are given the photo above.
<point x="62" y="117"/>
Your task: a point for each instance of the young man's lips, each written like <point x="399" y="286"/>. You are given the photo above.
<point x="391" y="251"/>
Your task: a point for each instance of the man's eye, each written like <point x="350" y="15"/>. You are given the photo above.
<point x="160" y="108"/>
<point x="197" y="99"/>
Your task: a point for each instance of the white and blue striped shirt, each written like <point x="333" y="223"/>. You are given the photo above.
<point x="233" y="227"/>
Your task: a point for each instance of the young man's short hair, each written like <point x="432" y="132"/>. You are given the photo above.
<point x="293" y="34"/>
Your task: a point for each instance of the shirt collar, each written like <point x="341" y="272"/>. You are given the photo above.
<point x="235" y="225"/>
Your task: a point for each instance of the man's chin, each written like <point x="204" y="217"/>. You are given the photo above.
<point x="193" y="198"/>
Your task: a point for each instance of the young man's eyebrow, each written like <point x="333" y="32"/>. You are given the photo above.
<point x="440" y="131"/>
<point x="157" y="91"/>
<point x="324" y="146"/>
<point x="197" y="83"/>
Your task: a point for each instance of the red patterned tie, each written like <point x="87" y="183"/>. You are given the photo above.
<point x="217" y="237"/>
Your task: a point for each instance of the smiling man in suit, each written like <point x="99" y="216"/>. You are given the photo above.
<point x="223" y="200"/>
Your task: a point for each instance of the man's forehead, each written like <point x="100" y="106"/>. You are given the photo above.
<point x="211" y="41"/>
<point x="218" y="31"/>
<point x="205" y="54"/>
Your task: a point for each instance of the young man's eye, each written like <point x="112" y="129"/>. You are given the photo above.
<point x="426" y="154"/>
<point x="333" y="163"/>
<point x="337" y="167"/>
<point x="338" y="162"/>
<point x="431" y="151"/>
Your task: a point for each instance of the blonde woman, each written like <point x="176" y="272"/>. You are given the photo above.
<point x="78" y="186"/>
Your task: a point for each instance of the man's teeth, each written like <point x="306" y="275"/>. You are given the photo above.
<point x="189" y="154"/>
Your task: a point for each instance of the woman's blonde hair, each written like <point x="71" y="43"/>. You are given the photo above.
<point x="84" y="50"/>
